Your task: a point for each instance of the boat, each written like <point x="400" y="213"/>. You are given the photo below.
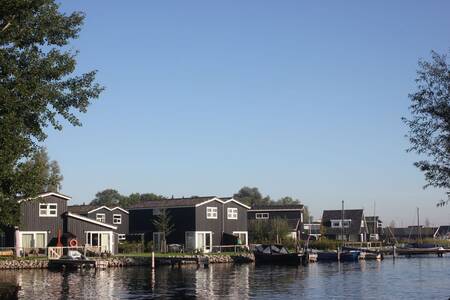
<point x="275" y="254"/>
<point x="371" y="256"/>
<point x="327" y="256"/>
<point x="352" y="255"/>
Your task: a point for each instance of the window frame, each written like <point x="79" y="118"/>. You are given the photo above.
<point x="262" y="216"/>
<point x="100" y="214"/>
<point x="211" y="212"/>
<point x="48" y="210"/>
<point x="120" y="219"/>
<point x="121" y="236"/>
<point x="232" y="213"/>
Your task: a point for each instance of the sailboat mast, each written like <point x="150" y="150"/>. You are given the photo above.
<point x="342" y="223"/>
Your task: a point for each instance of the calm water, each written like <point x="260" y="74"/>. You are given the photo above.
<point x="416" y="278"/>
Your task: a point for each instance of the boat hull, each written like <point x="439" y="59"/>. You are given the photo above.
<point x="277" y="259"/>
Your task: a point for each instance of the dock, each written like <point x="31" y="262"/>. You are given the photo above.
<point x="73" y="263"/>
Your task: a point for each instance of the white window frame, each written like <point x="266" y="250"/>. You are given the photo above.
<point x="207" y="247"/>
<point x="211" y="212"/>
<point x="97" y="215"/>
<point x="262" y="216"/>
<point x="109" y="248"/>
<point x="48" y="210"/>
<point x="121" y="236"/>
<point x="120" y="219"/>
<point x="34" y="237"/>
<point x="232" y="213"/>
<point x="242" y="232"/>
<point x="346" y="223"/>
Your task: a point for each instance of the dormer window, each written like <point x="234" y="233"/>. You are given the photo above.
<point x="48" y="209"/>
<point x="232" y="213"/>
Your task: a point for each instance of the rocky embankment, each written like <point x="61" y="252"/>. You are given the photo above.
<point x="124" y="261"/>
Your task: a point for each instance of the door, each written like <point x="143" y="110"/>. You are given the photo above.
<point x="27" y="240"/>
<point x="204" y="241"/>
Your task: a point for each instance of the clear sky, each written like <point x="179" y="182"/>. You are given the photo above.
<point x="298" y="99"/>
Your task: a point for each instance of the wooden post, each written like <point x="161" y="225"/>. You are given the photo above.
<point x="153" y="259"/>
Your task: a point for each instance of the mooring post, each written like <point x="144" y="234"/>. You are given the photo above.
<point x="153" y="259"/>
<point x="394" y="252"/>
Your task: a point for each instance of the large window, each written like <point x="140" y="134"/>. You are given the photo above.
<point x="242" y="237"/>
<point x="99" y="239"/>
<point x="337" y="223"/>
<point x="117" y="219"/>
<point x="100" y="218"/>
<point x="232" y="213"/>
<point x="262" y="215"/>
<point x="211" y="212"/>
<point x="48" y="209"/>
<point x="34" y="239"/>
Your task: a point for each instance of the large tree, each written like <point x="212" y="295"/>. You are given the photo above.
<point x="251" y="196"/>
<point x="429" y="123"/>
<point x="37" y="88"/>
<point x="108" y="197"/>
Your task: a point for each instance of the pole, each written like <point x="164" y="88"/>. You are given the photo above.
<point x="153" y="260"/>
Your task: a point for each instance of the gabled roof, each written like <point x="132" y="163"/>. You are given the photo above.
<point x="184" y="202"/>
<point x="89" y="220"/>
<point x="355" y="215"/>
<point x="86" y="209"/>
<point x="46" y="194"/>
<point x="277" y="207"/>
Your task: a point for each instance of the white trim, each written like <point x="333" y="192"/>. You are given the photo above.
<point x="246" y="235"/>
<point x="120" y="216"/>
<point x="237" y="202"/>
<point x="34" y="237"/>
<point x="260" y="216"/>
<point x="102" y="216"/>
<point x="45" y="195"/>
<point x="107" y="208"/>
<point x="90" y="220"/>
<point x="223" y="202"/>
<point x="120" y="235"/>
<point x="207" y="201"/>
<point x="48" y="209"/>
<point x="214" y="212"/>
<point x="211" y="240"/>
<point x="111" y="238"/>
<point x="275" y="209"/>
<point x="234" y="210"/>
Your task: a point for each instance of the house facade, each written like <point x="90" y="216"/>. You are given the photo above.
<point x="45" y="218"/>
<point x="116" y="216"/>
<point x="293" y="214"/>
<point x="374" y="228"/>
<point x="198" y="222"/>
<point x="348" y="225"/>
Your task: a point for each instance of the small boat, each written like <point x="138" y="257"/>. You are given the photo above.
<point x="327" y="256"/>
<point x="370" y="256"/>
<point x="275" y="254"/>
<point x="352" y="255"/>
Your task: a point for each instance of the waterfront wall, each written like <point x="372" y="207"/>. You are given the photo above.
<point x="118" y="261"/>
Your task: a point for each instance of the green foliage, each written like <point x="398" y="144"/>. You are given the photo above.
<point x="131" y="247"/>
<point x="163" y="223"/>
<point x="37" y="90"/>
<point x="287" y="201"/>
<point x="251" y="196"/>
<point x="268" y="231"/>
<point x="429" y="130"/>
<point x="111" y="197"/>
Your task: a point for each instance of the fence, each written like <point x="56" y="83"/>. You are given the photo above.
<point x="51" y="252"/>
<point x="230" y="248"/>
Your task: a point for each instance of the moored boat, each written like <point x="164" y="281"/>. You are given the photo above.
<point x="327" y="256"/>
<point x="275" y="254"/>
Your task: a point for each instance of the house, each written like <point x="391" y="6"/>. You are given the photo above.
<point x="292" y="213"/>
<point x="349" y="223"/>
<point x="311" y="230"/>
<point x="116" y="216"/>
<point x="410" y="233"/>
<point x="198" y="222"/>
<point x="374" y="227"/>
<point x="45" y="218"/>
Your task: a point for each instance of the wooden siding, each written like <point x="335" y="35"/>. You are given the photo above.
<point x="30" y="220"/>
<point x="214" y="225"/>
<point x="235" y="225"/>
<point x="121" y="228"/>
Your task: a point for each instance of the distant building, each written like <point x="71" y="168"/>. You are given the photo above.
<point x="410" y="233"/>
<point x="443" y="232"/>
<point x="374" y="227"/>
<point x="292" y="213"/>
<point x="312" y="230"/>
<point x="352" y="225"/>
<point x="199" y="222"/>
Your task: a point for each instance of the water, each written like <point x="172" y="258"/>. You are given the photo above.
<point x="415" y="278"/>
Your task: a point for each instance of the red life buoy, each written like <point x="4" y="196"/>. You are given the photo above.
<point x="73" y="243"/>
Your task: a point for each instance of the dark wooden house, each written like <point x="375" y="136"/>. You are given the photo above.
<point x="198" y="222"/>
<point x="45" y="218"/>
<point x="352" y="225"/>
<point x="293" y="214"/>
<point x="374" y="228"/>
<point x="116" y="216"/>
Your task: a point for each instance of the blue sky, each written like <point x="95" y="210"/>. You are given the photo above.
<point x="299" y="99"/>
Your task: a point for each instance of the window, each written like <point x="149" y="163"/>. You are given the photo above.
<point x="48" y="209"/>
<point x="100" y="218"/>
<point x="232" y="213"/>
<point x="242" y="237"/>
<point x="262" y="215"/>
<point x="121" y="237"/>
<point x="31" y="239"/>
<point x="337" y="223"/>
<point x="102" y="240"/>
<point x="117" y="219"/>
<point x="211" y="212"/>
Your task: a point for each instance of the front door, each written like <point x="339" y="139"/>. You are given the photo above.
<point x="204" y="241"/>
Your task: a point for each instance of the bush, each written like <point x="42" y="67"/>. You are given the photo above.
<point x="131" y="247"/>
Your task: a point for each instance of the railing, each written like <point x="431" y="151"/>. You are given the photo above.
<point x="372" y="244"/>
<point x="229" y="248"/>
<point x="87" y="251"/>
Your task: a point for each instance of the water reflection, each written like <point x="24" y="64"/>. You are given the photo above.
<point x="407" y="278"/>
